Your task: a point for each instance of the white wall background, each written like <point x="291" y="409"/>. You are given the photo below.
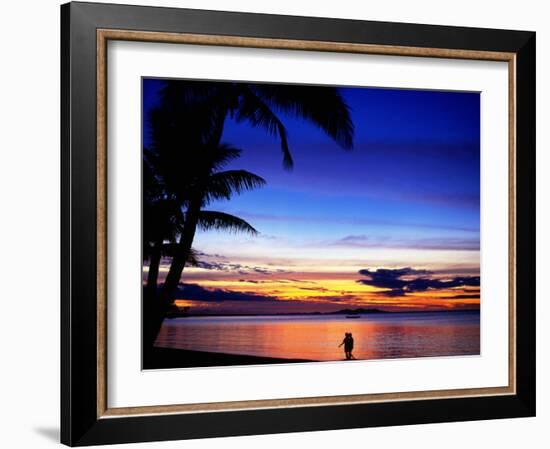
<point x="29" y="228"/>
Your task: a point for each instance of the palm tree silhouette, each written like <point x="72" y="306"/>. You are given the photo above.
<point x="187" y="131"/>
<point x="207" y="183"/>
<point x="259" y="105"/>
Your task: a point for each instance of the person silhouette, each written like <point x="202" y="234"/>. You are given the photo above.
<point x="344" y="344"/>
<point x="349" y="346"/>
<point x="347" y="342"/>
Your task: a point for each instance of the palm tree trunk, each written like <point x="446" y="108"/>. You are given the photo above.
<point x="159" y="308"/>
<point x="154" y="265"/>
<point x="150" y="301"/>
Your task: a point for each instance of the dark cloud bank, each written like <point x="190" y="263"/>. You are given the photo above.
<point x="195" y="292"/>
<point x="401" y="281"/>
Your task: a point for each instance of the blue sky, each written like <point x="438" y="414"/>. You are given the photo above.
<point x="407" y="194"/>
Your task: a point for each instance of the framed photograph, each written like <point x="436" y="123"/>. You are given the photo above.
<point x="281" y="224"/>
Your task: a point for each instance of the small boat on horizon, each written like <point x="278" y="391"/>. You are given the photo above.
<point x="353" y="316"/>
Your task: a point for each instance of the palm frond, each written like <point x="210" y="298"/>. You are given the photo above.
<point x="193" y="258"/>
<point x="221" y="155"/>
<point x="321" y="105"/>
<point x="183" y="92"/>
<point x="197" y="108"/>
<point x="222" y="185"/>
<point x="209" y="220"/>
<point x="162" y="220"/>
<point x="254" y="110"/>
<point x="151" y="185"/>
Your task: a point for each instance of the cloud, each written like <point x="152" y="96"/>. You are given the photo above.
<point x="335" y="298"/>
<point x="443" y="243"/>
<point x="315" y="289"/>
<point x="195" y="292"/>
<point x="461" y="296"/>
<point x="237" y="267"/>
<point x="211" y="265"/>
<point x="203" y="254"/>
<point x="299" y="281"/>
<point x="401" y="281"/>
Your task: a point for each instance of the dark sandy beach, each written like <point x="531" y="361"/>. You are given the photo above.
<point x="162" y="358"/>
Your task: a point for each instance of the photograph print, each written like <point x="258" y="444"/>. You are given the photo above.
<point x="288" y="223"/>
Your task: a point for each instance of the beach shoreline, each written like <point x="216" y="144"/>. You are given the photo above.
<point x="166" y="358"/>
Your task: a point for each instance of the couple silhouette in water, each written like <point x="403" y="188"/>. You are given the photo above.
<point x="348" y="346"/>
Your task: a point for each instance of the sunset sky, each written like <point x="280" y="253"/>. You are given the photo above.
<point x="391" y="224"/>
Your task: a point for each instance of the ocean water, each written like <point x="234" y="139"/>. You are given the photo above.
<point x="316" y="337"/>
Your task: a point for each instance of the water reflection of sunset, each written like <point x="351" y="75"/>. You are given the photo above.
<point x="317" y="338"/>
